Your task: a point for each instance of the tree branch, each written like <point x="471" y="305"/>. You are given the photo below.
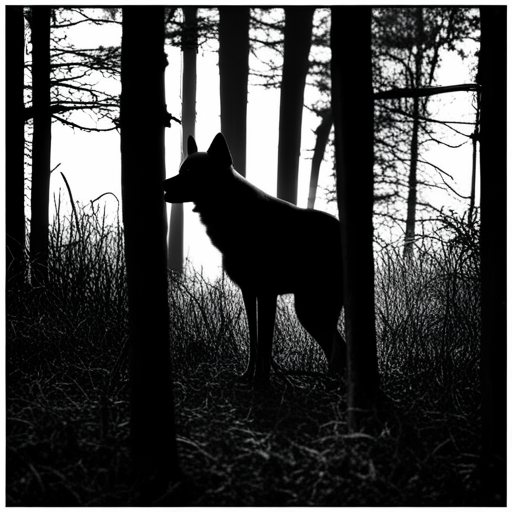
<point x="424" y="91"/>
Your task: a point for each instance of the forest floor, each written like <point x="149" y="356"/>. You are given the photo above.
<point x="67" y="388"/>
<point x="68" y="413"/>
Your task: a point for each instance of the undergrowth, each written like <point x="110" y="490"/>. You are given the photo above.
<point x="67" y="387"/>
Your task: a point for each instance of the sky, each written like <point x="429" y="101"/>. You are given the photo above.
<point x="91" y="161"/>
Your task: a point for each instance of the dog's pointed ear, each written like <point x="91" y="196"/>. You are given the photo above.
<point x="191" y="145"/>
<point x="220" y="151"/>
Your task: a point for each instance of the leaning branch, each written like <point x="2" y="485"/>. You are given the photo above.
<point x="425" y="91"/>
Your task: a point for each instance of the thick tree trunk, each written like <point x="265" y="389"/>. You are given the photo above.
<point x="234" y="74"/>
<point x="15" y="143"/>
<point x="322" y="137"/>
<point x="297" y="42"/>
<point x="188" y="127"/>
<point x="493" y="240"/>
<point x="41" y="144"/>
<point x="143" y="113"/>
<point x="352" y="101"/>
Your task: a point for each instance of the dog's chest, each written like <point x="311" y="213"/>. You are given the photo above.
<point x="236" y="235"/>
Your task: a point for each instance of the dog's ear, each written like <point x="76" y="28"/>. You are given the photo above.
<point x="220" y="151"/>
<point x="191" y="145"/>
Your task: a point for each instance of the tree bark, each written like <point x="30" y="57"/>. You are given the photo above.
<point x="352" y="101"/>
<point x="41" y="142"/>
<point x="297" y="43"/>
<point x="188" y="127"/>
<point x="234" y="74"/>
<point x="493" y="240"/>
<point x="15" y="143"/>
<point x="143" y="118"/>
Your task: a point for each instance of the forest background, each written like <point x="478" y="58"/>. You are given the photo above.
<point x="72" y="319"/>
<point x="447" y="167"/>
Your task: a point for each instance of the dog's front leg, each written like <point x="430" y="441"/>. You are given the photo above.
<point x="250" y="309"/>
<point x="266" y="318"/>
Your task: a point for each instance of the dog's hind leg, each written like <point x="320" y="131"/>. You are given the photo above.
<point x="319" y="316"/>
<point x="250" y="308"/>
<point x="266" y="318"/>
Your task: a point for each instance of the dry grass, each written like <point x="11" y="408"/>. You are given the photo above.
<point x="67" y="397"/>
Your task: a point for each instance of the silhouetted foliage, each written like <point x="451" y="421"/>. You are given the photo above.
<point x="408" y="48"/>
<point x="84" y="81"/>
<point x="206" y="27"/>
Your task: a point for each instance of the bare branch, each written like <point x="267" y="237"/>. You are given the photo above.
<point x="424" y="91"/>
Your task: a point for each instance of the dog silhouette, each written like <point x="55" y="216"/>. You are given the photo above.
<point x="269" y="247"/>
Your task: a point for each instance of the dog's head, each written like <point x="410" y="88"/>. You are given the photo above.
<point x="200" y="172"/>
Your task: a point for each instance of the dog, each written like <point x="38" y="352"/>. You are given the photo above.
<point x="269" y="247"/>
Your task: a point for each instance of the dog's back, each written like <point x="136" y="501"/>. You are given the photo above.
<point x="269" y="243"/>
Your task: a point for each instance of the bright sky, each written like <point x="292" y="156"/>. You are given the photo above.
<point x="91" y="161"/>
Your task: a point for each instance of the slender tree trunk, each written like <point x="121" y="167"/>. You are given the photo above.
<point x="234" y="74"/>
<point x="493" y="240"/>
<point x="188" y="127"/>
<point x="322" y="137"/>
<point x="475" y="137"/>
<point x="352" y="100"/>
<point x="143" y="113"/>
<point x="297" y="42"/>
<point x="41" y="145"/>
<point x="15" y="143"/>
<point x="412" y="197"/>
<point x="412" y="191"/>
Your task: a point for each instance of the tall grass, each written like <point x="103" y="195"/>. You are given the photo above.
<point x="66" y="383"/>
<point x="428" y="320"/>
<point x="67" y="386"/>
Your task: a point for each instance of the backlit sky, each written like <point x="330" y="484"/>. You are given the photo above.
<point x="91" y="161"/>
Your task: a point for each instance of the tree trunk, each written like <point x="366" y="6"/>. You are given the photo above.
<point x="412" y="190"/>
<point x="143" y="113"/>
<point x="412" y="197"/>
<point x="15" y="143"/>
<point x="42" y="139"/>
<point x="234" y="74"/>
<point x="297" y="42"/>
<point x="188" y="127"/>
<point x="493" y="240"/>
<point x="475" y="138"/>
<point x="352" y="101"/>
<point x="322" y="137"/>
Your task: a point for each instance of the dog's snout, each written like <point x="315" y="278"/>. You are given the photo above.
<point x="176" y="190"/>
